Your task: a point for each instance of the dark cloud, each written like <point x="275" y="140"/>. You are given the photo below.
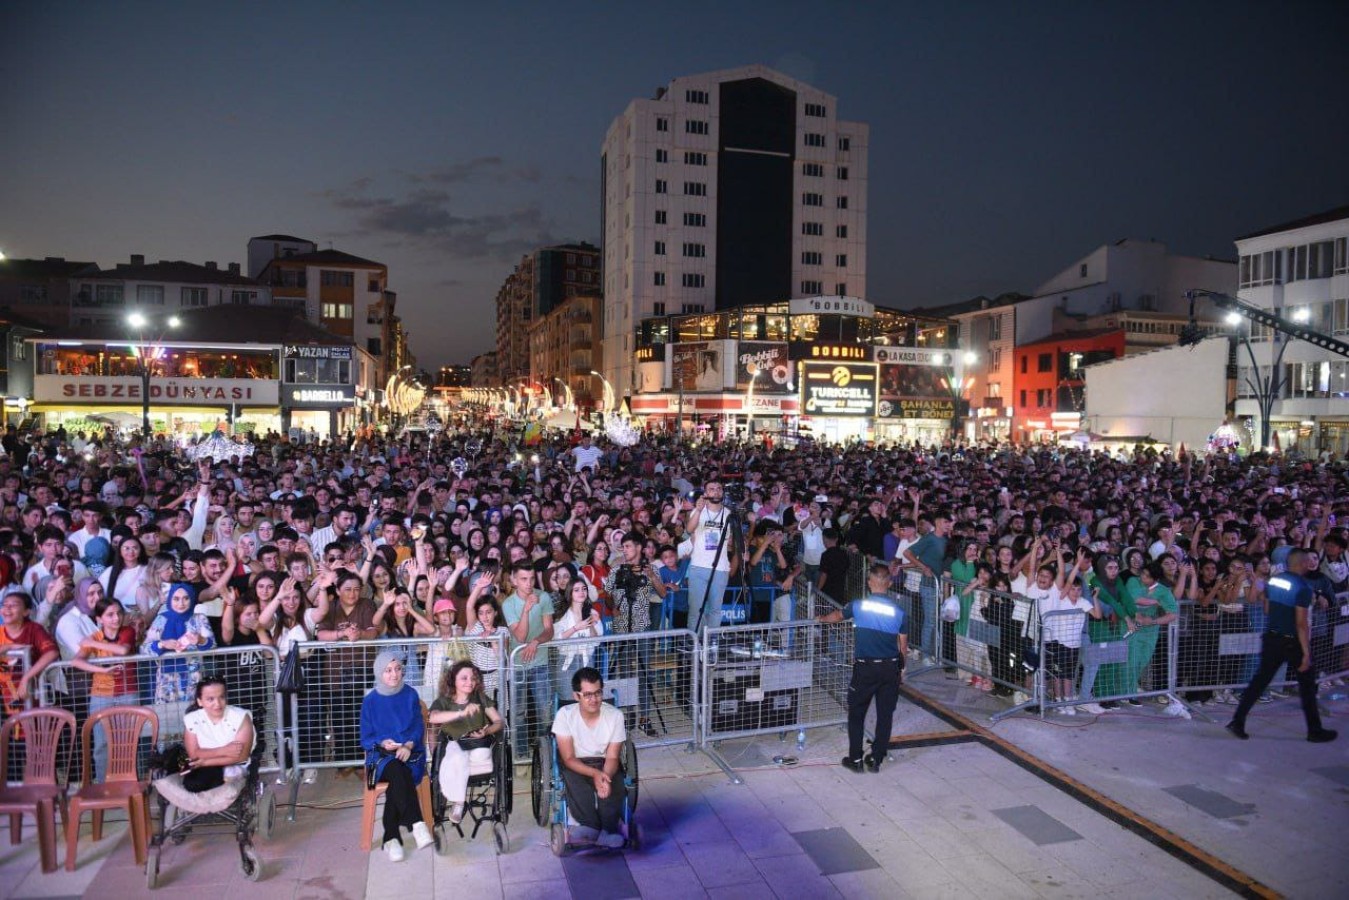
<point x="482" y="168"/>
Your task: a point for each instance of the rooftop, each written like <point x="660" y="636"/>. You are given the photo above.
<point x="329" y="258"/>
<point x="224" y="324"/>
<point x="1063" y="337"/>
<point x="41" y="269"/>
<point x="1330" y="215"/>
<point x="290" y="238"/>
<point x="176" y="270"/>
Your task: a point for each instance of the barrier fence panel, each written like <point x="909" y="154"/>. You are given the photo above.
<point x="774" y="678"/>
<point x="994" y="636"/>
<point x="15" y="661"/>
<point x="166" y="684"/>
<point x="652" y="676"/>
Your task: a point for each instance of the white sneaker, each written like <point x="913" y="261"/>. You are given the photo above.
<point x="310" y="776"/>
<point x="1092" y="709"/>
<point x="395" y="850"/>
<point x="457" y="813"/>
<point x="422" y="835"/>
<point x="1020" y="697"/>
<point x="1067" y="711"/>
<point x="1175" y="709"/>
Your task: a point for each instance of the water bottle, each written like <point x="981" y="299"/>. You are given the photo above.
<point x="757" y="652"/>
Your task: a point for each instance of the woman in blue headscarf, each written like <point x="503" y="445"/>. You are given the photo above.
<point x="393" y="734"/>
<point x="178" y="632"/>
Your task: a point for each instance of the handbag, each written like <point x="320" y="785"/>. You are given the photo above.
<point x="371" y="776"/>
<point x="478" y="743"/>
<point x="290" y="680"/>
<point x="950" y="609"/>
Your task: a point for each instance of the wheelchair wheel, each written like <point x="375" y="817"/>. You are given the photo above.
<point x="506" y="802"/>
<point x="541" y="792"/>
<point x="628" y="759"/>
<point x="442" y="836"/>
<point x="152" y="869"/>
<point x="557" y="839"/>
<point x="503" y="840"/>
<point x="266" y="815"/>
<point x="250" y="864"/>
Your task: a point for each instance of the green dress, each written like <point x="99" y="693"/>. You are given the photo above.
<point x="1110" y="680"/>
<point x="962" y="573"/>
<point x="1144" y="642"/>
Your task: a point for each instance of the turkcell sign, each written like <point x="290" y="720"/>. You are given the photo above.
<point x="838" y="389"/>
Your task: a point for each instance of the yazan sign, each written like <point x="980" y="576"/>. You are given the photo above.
<point x="912" y="356"/>
<point x="318" y="395"/>
<point x="842" y="306"/>
<point x="318" y="351"/>
<point x="178" y="391"/>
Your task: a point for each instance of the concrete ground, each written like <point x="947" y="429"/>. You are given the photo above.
<point x="959" y="819"/>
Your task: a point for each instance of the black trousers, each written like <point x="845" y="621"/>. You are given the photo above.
<point x="585" y="805"/>
<point x="401" y="809"/>
<point x="1276" y="650"/>
<point x="879" y="680"/>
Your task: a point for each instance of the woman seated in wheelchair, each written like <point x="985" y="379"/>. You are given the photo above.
<point x="468" y="721"/>
<point x="218" y="738"/>
<point x="590" y="736"/>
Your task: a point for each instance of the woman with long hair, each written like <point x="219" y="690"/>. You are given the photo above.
<point x="122" y="579"/>
<point x="579" y="618"/>
<point x="113" y="684"/>
<point x="468" y="720"/>
<point x="488" y="621"/>
<point x="153" y="589"/>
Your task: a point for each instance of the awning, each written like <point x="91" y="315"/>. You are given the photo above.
<point x="91" y="410"/>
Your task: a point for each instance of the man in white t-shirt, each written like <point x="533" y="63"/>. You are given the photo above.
<point x="587" y="454"/>
<point x="590" y="736"/>
<point x="91" y="515"/>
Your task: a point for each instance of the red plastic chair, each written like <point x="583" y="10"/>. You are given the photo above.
<point x="370" y="796"/>
<point x="122" y="787"/>
<point x="40" y="795"/>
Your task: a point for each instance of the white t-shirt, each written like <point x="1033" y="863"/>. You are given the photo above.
<point x="705" y="539"/>
<point x="81" y="537"/>
<point x="587" y="457"/>
<point x="214" y="735"/>
<point x="127" y="585"/>
<point x="1065" y="629"/>
<point x="913" y="577"/>
<point x="588" y="741"/>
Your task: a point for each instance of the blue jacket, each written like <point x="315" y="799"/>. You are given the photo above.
<point x="396" y="718"/>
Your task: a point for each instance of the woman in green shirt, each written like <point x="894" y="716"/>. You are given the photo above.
<point x="467" y="721"/>
<point x="1156" y="606"/>
<point x="1112" y="590"/>
<point x="964" y="581"/>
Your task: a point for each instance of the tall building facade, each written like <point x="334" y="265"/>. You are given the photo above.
<point x="544" y="280"/>
<point x="564" y="347"/>
<point x="515" y="317"/>
<point x="724" y="189"/>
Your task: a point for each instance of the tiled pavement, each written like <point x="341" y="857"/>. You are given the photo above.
<point x="943" y="821"/>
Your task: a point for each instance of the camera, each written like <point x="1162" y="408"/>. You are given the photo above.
<point x="627" y="580"/>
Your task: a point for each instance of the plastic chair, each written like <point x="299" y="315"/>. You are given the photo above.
<point x="42" y="731"/>
<point x="370" y="796"/>
<point x="122" y="788"/>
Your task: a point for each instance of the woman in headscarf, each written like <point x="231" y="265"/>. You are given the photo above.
<point x="178" y="629"/>
<point x="97" y="555"/>
<point x="393" y="737"/>
<point x="1111" y="587"/>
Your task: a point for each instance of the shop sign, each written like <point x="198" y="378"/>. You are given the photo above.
<point x="318" y="395"/>
<point x="912" y="356"/>
<point x="838" y="389"/>
<point x="650" y="353"/>
<point x="318" y="351"/>
<point x="127" y="389"/>
<point x="914" y="385"/>
<point x="696" y="366"/>
<point x="816" y="350"/>
<point x="769" y="360"/>
<point x="843" y="306"/>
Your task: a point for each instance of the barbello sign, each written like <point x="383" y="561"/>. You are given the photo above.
<point x="318" y="395"/>
<point x="127" y="389"/>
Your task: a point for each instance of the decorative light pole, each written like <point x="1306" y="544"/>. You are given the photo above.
<point x="145" y="354"/>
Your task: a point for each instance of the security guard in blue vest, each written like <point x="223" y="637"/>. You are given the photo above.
<point x="1287" y="640"/>
<point x="880" y="645"/>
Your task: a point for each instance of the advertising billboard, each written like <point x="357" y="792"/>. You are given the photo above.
<point x="838" y="389"/>
<point x="697" y="366"/>
<point x="769" y="359"/>
<point x="914" y="384"/>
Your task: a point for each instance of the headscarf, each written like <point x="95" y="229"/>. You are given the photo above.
<point x="381" y="663"/>
<point x="175" y="623"/>
<point x="97" y="552"/>
<point x="82" y="595"/>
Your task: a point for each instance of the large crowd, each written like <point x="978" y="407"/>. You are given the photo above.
<point x="116" y="546"/>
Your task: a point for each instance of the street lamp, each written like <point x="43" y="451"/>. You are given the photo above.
<point x="749" y="405"/>
<point x="609" y="395"/>
<point x="144" y="355"/>
<point x="568" y="398"/>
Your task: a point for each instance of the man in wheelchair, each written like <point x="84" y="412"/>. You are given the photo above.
<point x="590" y="736"/>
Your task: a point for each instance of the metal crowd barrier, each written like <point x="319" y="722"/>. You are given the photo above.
<point x="1141" y="665"/>
<point x="773" y="678"/>
<point x="164" y="684"/>
<point x="15" y="660"/>
<point x="652" y="676"/>
<point x="990" y="639"/>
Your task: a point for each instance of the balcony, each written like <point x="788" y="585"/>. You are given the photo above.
<point x="89" y="300"/>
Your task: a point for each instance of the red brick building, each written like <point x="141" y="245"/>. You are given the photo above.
<point x="1048" y="384"/>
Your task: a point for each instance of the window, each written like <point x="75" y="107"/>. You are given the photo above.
<point x="995" y="359"/>
<point x="691" y="307"/>
<point x="841" y="260"/>
<point x="841" y="289"/>
<point x="1044" y="397"/>
<point x="695" y="189"/>
<point x="842" y="202"/>
<point x="152" y="294"/>
<point x="845" y="144"/>
<point x="1045" y="362"/>
<point x="658" y="279"/>
<point x="812" y="287"/>
<point x="1341" y="251"/>
<point x="994" y="390"/>
<point x="695" y="126"/>
<point x="815" y="229"/>
<point x="841" y="231"/>
<point x="660" y="248"/>
<point x="994" y="330"/>
<point x="660" y="185"/>
<point x="1023" y="398"/>
<point x="694" y="158"/>
<point x="812" y="199"/>
<point x="694" y="280"/>
<point x="108" y="294"/>
<point x="811" y="258"/>
<point x="1025" y="362"/>
<point x="662" y="123"/>
<point x="18" y="348"/>
<point x="32" y="293"/>
<point x="696" y="97"/>
<point x="695" y="250"/>
<point x="329" y="278"/>
<point x="1320" y="259"/>
<point x="660" y="216"/>
<point x="248" y="298"/>
<point x="816" y="110"/>
<point x="814" y="140"/>
<point x="1261" y="269"/>
<point x="662" y="155"/>
<point x="695" y="220"/>
<point x="373" y="286"/>
<point x="1082" y="271"/>
<point x="658" y="308"/>
<point x="336" y="311"/>
<point x="193" y="297"/>
<point x="812" y="170"/>
<point x="841" y="173"/>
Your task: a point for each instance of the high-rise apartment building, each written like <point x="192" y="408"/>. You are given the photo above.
<point x="727" y="188"/>
<point x="543" y="281"/>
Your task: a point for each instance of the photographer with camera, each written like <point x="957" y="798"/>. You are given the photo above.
<point x="634" y="587"/>
<point x="715" y="552"/>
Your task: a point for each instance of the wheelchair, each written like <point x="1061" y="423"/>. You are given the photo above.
<point x="548" y="794"/>
<point x="243" y="806"/>
<point x="490" y="797"/>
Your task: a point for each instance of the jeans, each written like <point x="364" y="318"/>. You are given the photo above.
<point x="534" y="694"/>
<point x="927" y="598"/>
<point x="97" y="704"/>
<point x="699" y="579"/>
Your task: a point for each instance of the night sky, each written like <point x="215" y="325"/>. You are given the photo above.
<point x="446" y="139"/>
